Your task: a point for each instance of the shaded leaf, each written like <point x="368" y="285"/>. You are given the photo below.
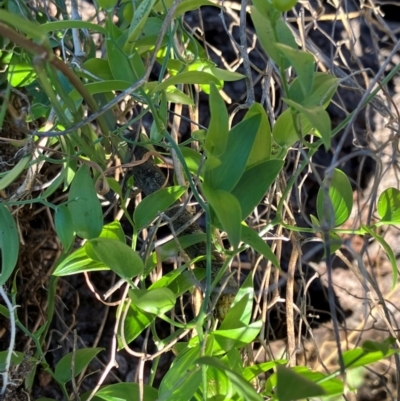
<point x="84" y="205"/>
<point x="83" y="357"/>
<point x="154" y="204"/>
<point x="9" y="244"/>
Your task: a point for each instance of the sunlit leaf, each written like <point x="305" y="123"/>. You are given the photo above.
<point x="389" y="206"/>
<point x="340" y="199"/>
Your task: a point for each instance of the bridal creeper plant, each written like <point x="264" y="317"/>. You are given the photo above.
<point x="240" y="164"/>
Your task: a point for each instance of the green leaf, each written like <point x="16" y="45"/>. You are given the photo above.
<point x="284" y="132"/>
<point x="362" y="357"/>
<point x="225" y="75"/>
<point x="64" y="226"/>
<point x="113" y="230"/>
<point x="389" y="206"/>
<point x="227" y="209"/>
<point x="51" y="26"/>
<point x="318" y="117"/>
<point x="135" y="323"/>
<point x="189" y="5"/>
<point x="241" y="309"/>
<point x="118" y="256"/>
<point x="154" y="204"/>
<point x="78" y="262"/>
<point x="261" y="150"/>
<point x="294" y="386"/>
<point x="126" y="392"/>
<point x="108" y="5"/>
<point x="15" y="172"/>
<point x="389" y="252"/>
<point x="82" y="359"/>
<point x="242" y="387"/>
<point x="189" y="77"/>
<point x="99" y="67"/>
<point x="237" y="337"/>
<point x="254" y="184"/>
<point x="30" y="28"/>
<point x="250" y="237"/>
<point x="119" y="63"/>
<point x="182" y="379"/>
<point x="157" y="300"/>
<point x="232" y="163"/>
<point x="270" y="33"/>
<point x="139" y="19"/>
<point x="219" y="386"/>
<point x="303" y="63"/>
<point x="340" y="197"/>
<point x="9" y="244"/>
<point x="323" y="89"/>
<point x="186" y="281"/>
<point x="84" y="205"/>
<point x="250" y="372"/>
<point x="193" y="160"/>
<point x="218" y="129"/>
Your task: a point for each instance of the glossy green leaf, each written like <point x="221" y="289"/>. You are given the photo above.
<point x="118" y="256"/>
<point x="389" y="251"/>
<point x="64" y="226"/>
<point x="303" y="63"/>
<point x="323" y="89"/>
<point x="183" y="378"/>
<point x="154" y="204"/>
<point x="84" y="205"/>
<point x="82" y="358"/>
<point x="15" y="172"/>
<point x="126" y="392"/>
<point x="362" y="357"/>
<point x="78" y="262"/>
<point x="254" y="183"/>
<point x="227" y="209"/>
<point x="389" y="206"/>
<point x="340" y="199"/>
<point x="318" y="117"/>
<point x="250" y="237"/>
<point x="219" y="386"/>
<point x="113" y="230"/>
<point x="237" y="337"/>
<point x="250" y="372"/>
<point x="157" y="300"/>
<point x="70" y="24"/>
<point x="293" y="386"/>
<point x="241" y="386"/>
<point x="218" y="129"/>
<point x="99" y="67"/>
<point x="189" y="77"/>
<point x="241" y="309"/>
<point x="136" y="321"/>
<point x="231" y="165"/>
<point x="226" y="75"/>
<point x="9" y="244"/>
